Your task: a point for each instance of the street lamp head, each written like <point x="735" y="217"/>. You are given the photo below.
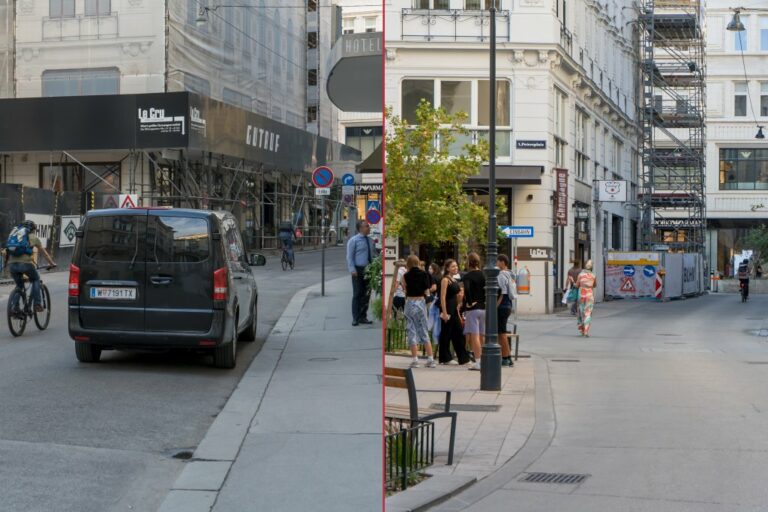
<point x="735" y="25"/>
<point x="760" y="134"/>
<point x="202" y="16"/>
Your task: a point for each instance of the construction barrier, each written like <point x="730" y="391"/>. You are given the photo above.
<point x="660" y="275"/>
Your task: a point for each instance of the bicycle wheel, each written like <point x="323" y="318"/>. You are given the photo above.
<point x="284" y="261"/>
<point x="292" y="261"/>
<point x="43" y="317"/>
<point x="16" y="322"/>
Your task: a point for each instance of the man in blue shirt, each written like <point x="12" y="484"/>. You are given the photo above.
<point x="359" y="255"/>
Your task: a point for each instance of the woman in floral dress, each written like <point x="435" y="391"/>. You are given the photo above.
<point x="586" y="283"/>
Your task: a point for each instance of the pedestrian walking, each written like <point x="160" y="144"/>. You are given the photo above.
<point x="572" y="288"/>
<point x="474" y="311"/>
<point x="586" y="283"/>
<point x="451" y="331"/>
<point x="360" y="253"/>
<point x="507" y="293"/>
<point x="416" y="283"/>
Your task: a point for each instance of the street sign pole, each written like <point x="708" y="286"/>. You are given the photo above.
<point x="322" y="178"/>
<point x="322" y="250"/>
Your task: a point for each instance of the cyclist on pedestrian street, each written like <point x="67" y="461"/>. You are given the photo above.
<point x="20" y="257"/>
<point x="286" y="235"/>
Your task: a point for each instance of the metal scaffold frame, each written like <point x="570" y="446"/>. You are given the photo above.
<point x="673" y="72"/>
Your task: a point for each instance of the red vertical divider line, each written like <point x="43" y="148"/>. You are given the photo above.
<point x="383" y="203"/>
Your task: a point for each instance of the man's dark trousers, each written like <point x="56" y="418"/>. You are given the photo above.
<point x="361" y="295"/>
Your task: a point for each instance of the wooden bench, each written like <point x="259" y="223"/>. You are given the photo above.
<point x="403" y="379"/>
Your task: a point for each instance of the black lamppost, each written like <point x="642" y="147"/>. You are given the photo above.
<point x="490" y="361"/>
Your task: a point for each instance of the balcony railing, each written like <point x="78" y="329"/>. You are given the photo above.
<point x="81" y="27"/>
<point x="452" y="25"/>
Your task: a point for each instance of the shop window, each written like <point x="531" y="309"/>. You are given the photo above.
<point x="61" y="9"/>
<point x="744" y="169"/>
<point x="81" y="82"/>
<point x="97" y="7"/>
<point x="364" y="138"/>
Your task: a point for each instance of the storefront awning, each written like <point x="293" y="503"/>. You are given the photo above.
<point x="508" y="175"/>
<point x="179" y="120"/>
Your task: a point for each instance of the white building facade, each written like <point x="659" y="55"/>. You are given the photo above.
<point x="566" y="100"/>
<point x="737" y="162"/>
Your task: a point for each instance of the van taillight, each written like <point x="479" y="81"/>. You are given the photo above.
<point x="220" y="284"/>
<point x="74" y="280"/>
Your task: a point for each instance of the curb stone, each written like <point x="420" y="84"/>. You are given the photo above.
<point x="197" y="487"/>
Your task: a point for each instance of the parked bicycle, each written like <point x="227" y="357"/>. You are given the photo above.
<point x="20" y="315"/>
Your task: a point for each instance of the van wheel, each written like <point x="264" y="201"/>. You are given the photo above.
<point x="249" y="334"/>
<point x="225" y="355"/>
<point x="87" y="353"/>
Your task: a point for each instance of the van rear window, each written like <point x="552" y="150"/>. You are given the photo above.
<point x="113" y="238"/>
<point x="178" y="240"/>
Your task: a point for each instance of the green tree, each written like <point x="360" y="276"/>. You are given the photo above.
<point x="756" y="240"/>
<point x="425" y="201"/>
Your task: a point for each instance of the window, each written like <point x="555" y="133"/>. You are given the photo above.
<point x="502" y="103"/>
<point x="432" y="4"/>
<point x="236" y="98"/>
<point x="312" y="114"/>
<point x="197" y="85"/>
<point x="311" y="77"/>
<point x="740" y="99"/>
<point x="312" y="39"/>
<point x="413" y="92"/>
<point x="113" y="238"/>
<point x="347" y="27"/>
<point x="560" y="103"/>
<point x="763" y="99"/>
<point x="311" y="5"/>
<point x="62" y="8"/>
<point x="71" y="177"/>
<point x="617" y="233"/>
<point x="235" y="251"/>
<point x="364" y="138"/>
<point x="456" y="96"/>
<point x="178" y="240"/>
<point x="616" y="157"/>
<point x="582" y="160"/>
<point x="370" y="24"/>
<point x="97" y="7"/>
<point x="81" y="82"/>
<point x="277" y="59"/>
<point x="740" y="39"/>
<point x="744" y="169"/>
<point x="476" y="5"/>
<point x="764" y="33"/>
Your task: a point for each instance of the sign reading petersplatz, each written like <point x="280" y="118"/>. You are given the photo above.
<point x="561" y="197"/>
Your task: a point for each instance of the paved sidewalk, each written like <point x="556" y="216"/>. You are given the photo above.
<point x="302" y="431"/>
<point x="485" y="440"/>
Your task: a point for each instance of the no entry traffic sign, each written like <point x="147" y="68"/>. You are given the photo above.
<point x="322" y="177"/>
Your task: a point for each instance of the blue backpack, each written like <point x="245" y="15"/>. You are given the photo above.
<point x="18" y="242"/>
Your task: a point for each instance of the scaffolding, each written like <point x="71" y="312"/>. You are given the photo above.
<point x="673" y="125"/>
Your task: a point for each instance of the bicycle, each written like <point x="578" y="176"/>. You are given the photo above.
<point x="286" y="260"/>
<point x="17" y="319"/>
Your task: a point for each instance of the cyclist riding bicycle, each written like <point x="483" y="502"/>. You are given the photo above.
<point x="20" y="257"/>
<point x="286" y="235"/>
<point x="743" y="275"/>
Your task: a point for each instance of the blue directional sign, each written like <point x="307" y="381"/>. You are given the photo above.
<point x="649" y="271"/>
<point x="629" y="270"/>
<point x="348" y="179"/>
<point x="517" y="231"/>
<point x="322" y="177"/>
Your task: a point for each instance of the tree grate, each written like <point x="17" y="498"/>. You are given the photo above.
<point x="554" y="478"/>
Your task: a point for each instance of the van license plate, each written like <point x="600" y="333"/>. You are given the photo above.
<point x="113" y="293"/>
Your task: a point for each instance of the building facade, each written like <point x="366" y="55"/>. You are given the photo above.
<point x="566" y="104"/>
<point x="737" y="162"/>
<point x="264" y="64"/>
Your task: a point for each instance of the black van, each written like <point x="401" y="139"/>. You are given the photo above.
<point x="160" y="278"/>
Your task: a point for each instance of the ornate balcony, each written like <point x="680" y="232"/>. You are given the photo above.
<point x="452" y="25"/>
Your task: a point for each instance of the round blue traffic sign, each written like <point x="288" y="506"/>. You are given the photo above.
<point x="629" y="271"/>
<point x="373" y="216"/>
<point x="322" y="177"/>
<point x="649" y="270"/>
<point x="348" y="179"/>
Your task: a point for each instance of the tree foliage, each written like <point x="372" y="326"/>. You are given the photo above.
<point x="757" y="241"/>
<point x="425" y="201"/>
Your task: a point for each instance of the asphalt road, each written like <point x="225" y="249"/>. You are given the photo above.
<point x="664" y="408"/>
<point x="102" y="437"/>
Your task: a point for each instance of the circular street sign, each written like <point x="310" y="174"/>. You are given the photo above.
<point x="373" y="216"/>
<point x="629" y="270"/>
<point x="348" y="179"/>
<point x="649" y="271"/>
<point x="322" y="177"/>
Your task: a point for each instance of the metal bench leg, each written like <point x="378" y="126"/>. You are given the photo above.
<point x="452" y="440"/>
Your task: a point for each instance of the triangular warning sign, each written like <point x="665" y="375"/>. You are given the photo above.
<point x="110" y="202"/>
<point x="627" y="285"/>
<point x="128" y="202"/>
